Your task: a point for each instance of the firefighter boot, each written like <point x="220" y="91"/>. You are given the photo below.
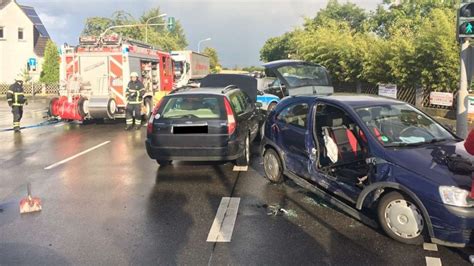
<point x="128" y="127"/>
<point x="16" y="127"/>
<point x="138" y="125"/>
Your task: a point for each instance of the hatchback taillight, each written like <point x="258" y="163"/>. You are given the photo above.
<point x="231" y="125"/>
<point x="149" y="128"/>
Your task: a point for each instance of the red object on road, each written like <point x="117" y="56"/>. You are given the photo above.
<point x="30" y="204"/>
<point x="66" y="109"/>
<point x="469" y="143"/>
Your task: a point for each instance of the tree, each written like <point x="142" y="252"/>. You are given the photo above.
<point x="347" y="12"/>
<point x="277" y="48"/>
<point x="214" y="59"/>
<point x="158" y="36"/>
<point x="50" y="68"/>
<point x="96" y="25"/>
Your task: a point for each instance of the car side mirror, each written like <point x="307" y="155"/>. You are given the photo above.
<point x="258" y="104"/>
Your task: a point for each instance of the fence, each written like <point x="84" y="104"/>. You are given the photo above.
<point x="404" y="94"/>
<point x="33" y="89"/>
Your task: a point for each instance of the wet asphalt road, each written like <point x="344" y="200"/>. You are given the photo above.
<point x="115" y="206"/>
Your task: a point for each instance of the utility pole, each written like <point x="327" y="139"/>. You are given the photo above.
<point x="462" y="100"/>
<point x="464" y="32"/>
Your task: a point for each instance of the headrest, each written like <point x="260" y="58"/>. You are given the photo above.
<point x="365" y="115"/>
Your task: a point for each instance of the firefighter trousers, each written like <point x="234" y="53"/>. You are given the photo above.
<point x="132" y="112"/>
<point x="17" y="112"/>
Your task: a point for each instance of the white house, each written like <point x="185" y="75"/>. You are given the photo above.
<point x="23" y="39"/>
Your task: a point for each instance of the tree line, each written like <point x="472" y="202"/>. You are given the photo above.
<point x="411" y="44"/>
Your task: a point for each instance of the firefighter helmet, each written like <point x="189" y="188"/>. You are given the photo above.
<point x="134" y="74"/>
<point x="20" y="77"/>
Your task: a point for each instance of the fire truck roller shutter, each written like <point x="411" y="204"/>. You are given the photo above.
<point x="102" y="107"/>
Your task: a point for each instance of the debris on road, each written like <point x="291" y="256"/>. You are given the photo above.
<point x="30" y="204"/>
<point x="276" y="210"/>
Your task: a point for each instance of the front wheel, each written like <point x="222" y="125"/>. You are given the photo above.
<point x="401" y="219"/>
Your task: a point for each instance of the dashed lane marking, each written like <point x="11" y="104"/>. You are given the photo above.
<point x="430" y="261"/>
<point x="241" y="168"/>
<point x="223" y="225"/>
<point x="75" y="156"/>
<point x="430" y="247"/>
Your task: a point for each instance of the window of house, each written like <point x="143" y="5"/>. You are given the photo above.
<point x="20" y="34"/>
<point x="2" y="33"/>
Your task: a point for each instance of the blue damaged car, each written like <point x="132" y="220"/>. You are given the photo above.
<point x="376" y="159"/>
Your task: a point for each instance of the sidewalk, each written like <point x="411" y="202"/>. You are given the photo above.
<point x="33" y="113"/>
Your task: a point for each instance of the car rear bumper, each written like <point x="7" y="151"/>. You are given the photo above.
<point x="226" y="153"/>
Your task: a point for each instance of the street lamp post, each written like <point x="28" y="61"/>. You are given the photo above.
<point x="199" y="43"/>
<point x="147" y="21"/>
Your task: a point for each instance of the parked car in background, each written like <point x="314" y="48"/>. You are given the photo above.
<point x="212" y="123"/>
<point x="295" y="77"/>
<point x="268" y="101"/>
<point x="371" y="153"/>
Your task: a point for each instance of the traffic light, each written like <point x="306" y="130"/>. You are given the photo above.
<point x="466" y="20"/>
<point x="171" y="23"/>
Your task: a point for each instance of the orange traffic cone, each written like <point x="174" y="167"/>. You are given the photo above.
<point x="30" y="204"/>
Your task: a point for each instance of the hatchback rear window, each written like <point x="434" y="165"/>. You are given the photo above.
<point x="192" y="106"/>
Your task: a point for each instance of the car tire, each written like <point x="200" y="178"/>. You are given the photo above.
<point x="272" y="166"/>
<point x="401" y="219"/>
<point x="244" y="159"/>
<point x="164" y="163"/>
<point x="271" y="106"/>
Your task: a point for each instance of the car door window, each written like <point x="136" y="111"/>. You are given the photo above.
<point x="295" y="115"/>
<point x="236" y="103"/>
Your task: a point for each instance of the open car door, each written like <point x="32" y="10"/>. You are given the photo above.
<point x="300" y="77"/>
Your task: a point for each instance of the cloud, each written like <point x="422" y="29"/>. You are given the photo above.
<point x="238" y="28"/>
<point x="53" y="22"/>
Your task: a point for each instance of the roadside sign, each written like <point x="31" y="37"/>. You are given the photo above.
<point x="388" y="90"/>
<point x="441" y="98"/>
<point x="470" y="106"/>
<point x="32" y="62"/>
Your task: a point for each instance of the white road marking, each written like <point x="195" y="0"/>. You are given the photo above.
<point x="75" y="156"/>
<point x="223" y="225"/>
<point x="430" y="261"/>
<point x="240" y="168"/>
<point x="430" y="247"/>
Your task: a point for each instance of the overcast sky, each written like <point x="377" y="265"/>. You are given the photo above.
<point x="238" y="28"/>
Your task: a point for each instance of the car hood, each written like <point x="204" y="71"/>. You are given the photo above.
<point x="429" y="161"/>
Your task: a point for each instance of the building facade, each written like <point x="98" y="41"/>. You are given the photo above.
<point x="23" y="39"/>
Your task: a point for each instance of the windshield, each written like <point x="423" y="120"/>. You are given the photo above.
<point x="305" y="75"/>
<point x="192" y="106"/>
<point x="402" y="125"/>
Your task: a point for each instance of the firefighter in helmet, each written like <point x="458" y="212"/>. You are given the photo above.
<point x="135" y="92"/>
<point x="16" y="99"/>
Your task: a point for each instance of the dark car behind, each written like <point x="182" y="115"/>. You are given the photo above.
<point x="204" y="124"/>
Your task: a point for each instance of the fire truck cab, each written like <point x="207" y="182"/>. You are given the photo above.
<point x="95" y="74"/>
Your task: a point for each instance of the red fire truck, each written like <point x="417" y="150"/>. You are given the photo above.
<point x="94" y="77"/>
